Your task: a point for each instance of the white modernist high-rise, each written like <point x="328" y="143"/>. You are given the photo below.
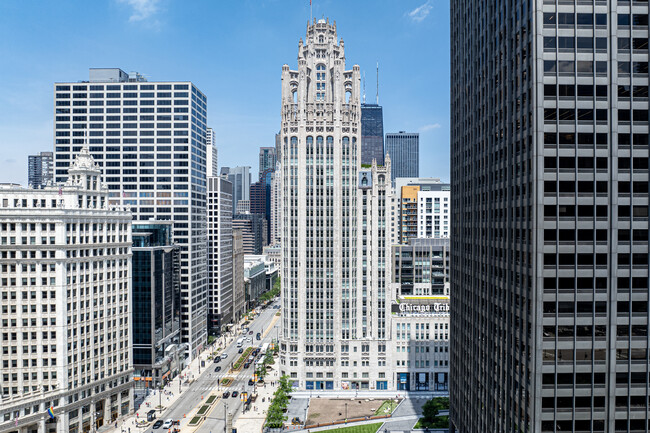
<point x="149" y="139"/>
<point x="335" y="271"/>
<point x="220" y="266"/>
<point x="65" y="272"/>
<point x="212" y="162"/>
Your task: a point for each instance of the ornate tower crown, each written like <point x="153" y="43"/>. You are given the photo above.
<point x="84" y="172"/>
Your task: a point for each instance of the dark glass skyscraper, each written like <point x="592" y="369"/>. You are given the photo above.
<point x="372" y="134"/>
<point x="156" y="302"/>
<point x="549" y="269"/>
<point x="404" y="151"/>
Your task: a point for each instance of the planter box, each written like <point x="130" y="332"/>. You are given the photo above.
<point x="195" y="421"/>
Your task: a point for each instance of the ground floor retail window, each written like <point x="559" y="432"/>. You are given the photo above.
<point x="319" y="384"/>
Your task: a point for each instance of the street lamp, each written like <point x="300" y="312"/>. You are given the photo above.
<point x="225" y="416"/>
<point x="346" y="413"/>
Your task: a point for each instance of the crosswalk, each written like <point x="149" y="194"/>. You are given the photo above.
<point x="206" y="390"/>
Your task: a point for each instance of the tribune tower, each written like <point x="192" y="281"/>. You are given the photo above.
<point x="332" y="226"/>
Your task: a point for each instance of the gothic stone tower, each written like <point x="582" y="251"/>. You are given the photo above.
<point x="332" y="226"/>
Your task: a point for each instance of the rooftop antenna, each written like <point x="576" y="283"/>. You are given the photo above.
<point x="377" y="83"/>
<point x="364" y="87"/>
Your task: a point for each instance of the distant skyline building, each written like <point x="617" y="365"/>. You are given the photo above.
<point x="156" y="305"/>
<point x="40" y="169"/>
<point x="274" y="232"/>
<point x="238" y="289"/>
<point x="420" y="209"/>
<point x="336" y="269"/>
<point x="212" y="161"/>
<point x="404" y="150"/>
<point x="267" y="160"/>
<point x="243" y="207"/>
<point x="220" y="254"/>
<point x="278" y="147"/>
<point x="258" y="198"/>
<point x="252" y="226"/>
<point x="372" y="134"/>
<point x="65" y="256"/>
<point x="149" y="139"/>
<point x="254" y="279"/>
<point x="240" y="177"/>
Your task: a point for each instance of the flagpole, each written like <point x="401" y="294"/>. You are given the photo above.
<point x="311" y="11"/>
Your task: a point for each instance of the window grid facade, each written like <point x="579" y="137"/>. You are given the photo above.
<point x="404" y="150"/>
<point x="149" y="139"/>
<point x="65" y="327"/>
<point x="220" y="254"/>
<point x="550" y="216"/>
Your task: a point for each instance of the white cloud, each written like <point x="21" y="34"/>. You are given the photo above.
<point x="429" y="127"/>
<point x="142" y="9"/>
<point x="421" y="12"/>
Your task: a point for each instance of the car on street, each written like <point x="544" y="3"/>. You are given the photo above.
<point x="235" y="393"/>
<point x="259" y="336"/>
<point x="241" y="350"/>
<point x="226" y="394"/>
<point x="168" y="424"/>
<point x="224" y="355"/>
<point x="247" y="364"/>
<point x="250" y="382"/>
<point x="250" y="332"/>
<point x="217" y="369"/>
<point x="158" y="423"/>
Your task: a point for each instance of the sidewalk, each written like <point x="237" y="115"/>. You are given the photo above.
<point x="170" y="395"/>
<point x="253" y="420"/>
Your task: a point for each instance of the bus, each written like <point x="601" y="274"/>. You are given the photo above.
<point x="240" y="341"/>
<point x="265" y="348"/>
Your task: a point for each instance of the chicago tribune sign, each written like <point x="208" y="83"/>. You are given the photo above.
<point x="436" y="307"/>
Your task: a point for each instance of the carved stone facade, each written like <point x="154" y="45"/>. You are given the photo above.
<point x="65" y="274"/>
<point x="332" y="226"/>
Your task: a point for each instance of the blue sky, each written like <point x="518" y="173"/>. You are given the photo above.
<point x="233" y="51"/>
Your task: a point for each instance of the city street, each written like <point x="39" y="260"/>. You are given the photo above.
<point x="206" y="383"/>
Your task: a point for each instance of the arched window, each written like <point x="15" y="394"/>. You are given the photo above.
<point x="321" y="39"/>
<point x="320" y="67"/>
<point x="294" y="146"/>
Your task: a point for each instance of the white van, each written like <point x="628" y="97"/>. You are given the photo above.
<point x="240" y="342"/>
